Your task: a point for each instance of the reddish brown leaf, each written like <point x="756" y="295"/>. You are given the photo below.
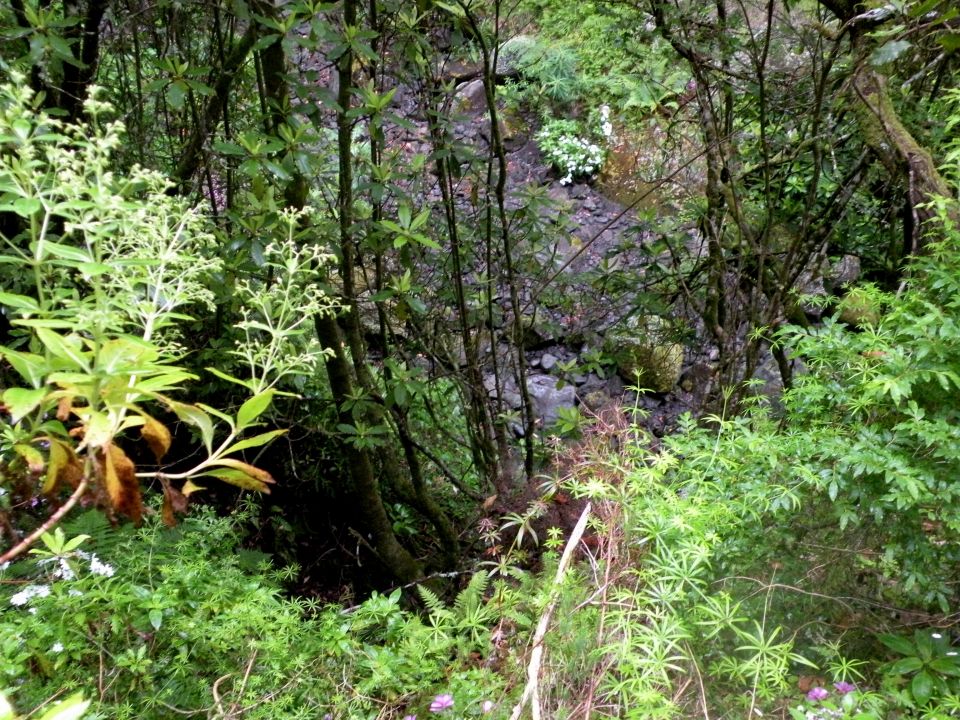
<point x="120" y="477"/>
<point x="64" y="408"/>
<point x="807" y="682"/>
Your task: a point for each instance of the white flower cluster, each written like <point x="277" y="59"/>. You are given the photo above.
<point x="574" y="156"/>
<point x="29" y="593"/>
<point x="64" y="571"/>
<point x="606" y="127"/>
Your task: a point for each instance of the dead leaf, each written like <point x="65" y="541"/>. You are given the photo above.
<point x="63" y="465"/>
<point x="806" y="683"/>
<point x="64" y="408"/>
<point x="488" y="503"/>
<point x="157" y="437"/>
<point x="174" y="502"/>
<point x="123" y="487"/>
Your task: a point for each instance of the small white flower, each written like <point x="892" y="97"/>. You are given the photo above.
<point x="952" y="653"/>
<point x="936" y="636"/>
<point x="28" y="593"/>
<point x="57" y="648"/>
<point x="100" y="568"/>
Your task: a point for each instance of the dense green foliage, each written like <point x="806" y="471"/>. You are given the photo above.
<point x="326" y="250"/>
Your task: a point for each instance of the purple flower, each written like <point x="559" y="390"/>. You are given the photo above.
<point x="844" y="687"/>
<point x="409" y="717"/>
<point x="441" y="703"/>
<point x="487" y="706"/>
<point x="818" y="693"/>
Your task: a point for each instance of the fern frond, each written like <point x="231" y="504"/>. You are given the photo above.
<point x="433" y="603"/>
<point x="472" y="595"/>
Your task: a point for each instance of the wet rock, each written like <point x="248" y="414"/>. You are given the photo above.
<point x="547" y="398"/>
<point x="644" y="353"/>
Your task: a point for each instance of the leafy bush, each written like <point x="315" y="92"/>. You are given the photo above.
<point x="183" y="621"/>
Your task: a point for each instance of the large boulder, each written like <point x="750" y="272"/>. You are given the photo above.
<point x="547" y="398"/>
<point x="645" y="353"/>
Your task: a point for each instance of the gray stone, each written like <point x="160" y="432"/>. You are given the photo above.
<point x="471" y="96"/>
<point x="548" y="361"/>
<point x="596" y="400"/>
<point x="547" y="398"/>
<point x="844" y="271"/>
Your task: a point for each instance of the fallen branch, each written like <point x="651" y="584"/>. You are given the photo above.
<point x="532" y="690"/>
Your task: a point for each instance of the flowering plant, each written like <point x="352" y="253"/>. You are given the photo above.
<point x="566" y="147"/>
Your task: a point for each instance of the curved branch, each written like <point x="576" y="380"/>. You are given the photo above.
<point x="49" y="523"/>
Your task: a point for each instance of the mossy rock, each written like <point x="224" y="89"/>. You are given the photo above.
<point x="859" y="307"/>
<point x="645" y="354"/>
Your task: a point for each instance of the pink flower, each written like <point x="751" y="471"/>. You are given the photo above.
<point x="844" y="687"/>
<point x="441" y="703"/>
<point x="487" y="706"/>
<point x="818" y="693"/>
<point x="409" y="717"/>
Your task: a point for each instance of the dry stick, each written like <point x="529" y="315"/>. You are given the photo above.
<point x="532" y="689"/>
<point x="49" y="523"/>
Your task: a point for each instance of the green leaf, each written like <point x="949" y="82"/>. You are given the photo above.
<point x="898" y="644"/>
<point x="253" y="408"/>
<point x="905" y="666"/>
<point x="950" y="41"/>
<point x="888" y="52"/>
<point x="21" y="302"/>
<point x="255" y="441"/>
<point x="922" y="688"/>
<point x="68" y="252"/>
<point x="193" y="415"/>
<point x="156" y="618"/>
<point x="72" y="708"/>
<point x="21" y="402"/>
<point x="63" y="347"/>
<point x="945" y="666"/>
<point x="176" y="94"/>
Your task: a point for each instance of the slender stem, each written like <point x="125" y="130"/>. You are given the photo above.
<point x="47" y="525"/>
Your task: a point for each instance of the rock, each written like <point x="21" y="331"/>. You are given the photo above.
<point x="645" y="355"/>
<point x="858" y="307"/>
<point x="579" y="191"/>
<point x="845" y="271"/>
<point x="697" y="379"/>
<point x="811" y="286"/>
<point x="471" y="97"/>
<point x="547" y="398"/>
<point x="614" y="386"/>
<point x="596" y="400"/>
<point x="516" y="54"/>
<point x="548" y="361"/>
<point x="536" y="333"/>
